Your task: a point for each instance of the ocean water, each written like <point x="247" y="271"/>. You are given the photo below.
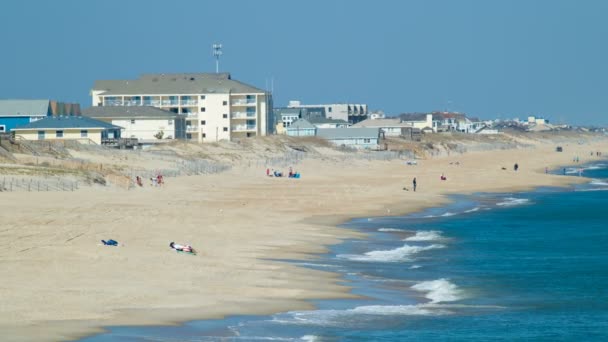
<point x="522" y="266"/>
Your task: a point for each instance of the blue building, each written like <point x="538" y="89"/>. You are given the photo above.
<point x="15" y="113"/>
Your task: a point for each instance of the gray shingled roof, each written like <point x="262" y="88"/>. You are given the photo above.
<point x="318" y="120"/>
<point x="121" y="112"/>
<point x="345" y="133"/>
<point x="24" y="107"/>
<point x="301" y="124"/>
<point x="189" y="83"/>
<point x="65" y="122"/>
<point x="380" y="123"/>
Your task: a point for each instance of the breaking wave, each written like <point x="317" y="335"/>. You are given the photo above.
<point x="393" y="255"/>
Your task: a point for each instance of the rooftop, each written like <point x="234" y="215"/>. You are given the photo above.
<point x="117" y="112"/>
<point x="301" y="124"/>
<point x="188" y="83"/>
<point x="65" y="122"/>
<point x="24" y="107"/>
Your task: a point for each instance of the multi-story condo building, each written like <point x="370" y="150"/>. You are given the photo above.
<point x="348" y="112"/>
<point x="215" y="106"/>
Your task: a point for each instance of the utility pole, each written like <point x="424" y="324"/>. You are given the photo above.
<point x="217" y="52"/>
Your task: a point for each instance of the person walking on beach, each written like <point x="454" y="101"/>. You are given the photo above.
<point x="515" y="167"/>
<point x="414" y="184"/>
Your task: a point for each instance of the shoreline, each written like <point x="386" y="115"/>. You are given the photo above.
<point x="325" y="233"/>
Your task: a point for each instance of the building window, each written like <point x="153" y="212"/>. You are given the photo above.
<point x="202" y="97"/>
<point x="202" y="109"/>
<point x="84" y="133"/>
<point x="40" y="135"/>
<point x="203" y="122"/>
<point x="225" y="129"/>
<point x="59" y="134"/>
<point x="225" y="116"/>
<point x="2" y="128"/>
<point x="188" y="136"/>
<point x="224" y="103"/>
<point x="367" y="141"/>
<point x="132" y="121"/>
<point x="170" y="122"/>
<point x="204" y="135"/>
<point x="329" y="109"/>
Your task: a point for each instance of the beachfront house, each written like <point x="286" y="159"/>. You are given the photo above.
<point x="349" y="112"/>
<point x="214" y="106"/>
<point x="79" y="128"/>
<point x="389" y="127"/>
<point x="417" y="120"/>
<point x="146" y="124"/>
<point x="363" y="138"/>
<point x="301" y="128"/>
<point x="15" y="113"/>
<point x="329" y="123"/>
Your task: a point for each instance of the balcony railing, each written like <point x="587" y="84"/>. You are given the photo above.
<point x="169" y="102"/>
<point x="189" y="102"/>
<point x="243" y="128"/>
<point x="192" y="129"/>
<point x="112" y="102"/>
<point x="151" y="103"/>
<point x="243" y="115"/>
<point x="243" y="102"/>
<point x="191" y="115"/>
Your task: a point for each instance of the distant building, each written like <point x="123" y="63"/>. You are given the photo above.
<point x="68" y="128"/>
<point x="422" y="121"/>
<point x="215" y="106"/>
<point x="537" y="121"/>
<point x="377" y="115"/>
<point x="301" y="128"/>
<point x="288" y="115"/>
<point x="349" y="112"/>
<point x="388" y="127"/>
<point x="15" y="113"/>
<point x="329" y="123"/>
<point x="142" y="123"/>
<point x="364" y="138"/>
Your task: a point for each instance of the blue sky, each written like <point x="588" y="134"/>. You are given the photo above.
<point x="486" y="58"/>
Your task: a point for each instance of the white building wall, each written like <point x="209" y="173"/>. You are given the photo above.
<point x="145" y="129"/>
<point x="216" y="127"/>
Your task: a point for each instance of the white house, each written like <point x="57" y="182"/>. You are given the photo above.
<point x="301" y="128"/>
<point x="349" y="112"/>
<point x="365" y="138"/>
<point x="328" y="123"/>
<point x="390" y="127"/>
<point x="215" y="106"/>
<point x="146" y="124"/>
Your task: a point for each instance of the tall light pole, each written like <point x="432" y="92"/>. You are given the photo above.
<point x="217" y="52"/>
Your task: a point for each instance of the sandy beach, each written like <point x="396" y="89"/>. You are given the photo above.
<point x="60" y="283"/>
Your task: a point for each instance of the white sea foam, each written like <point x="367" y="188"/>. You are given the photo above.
<point x="413" y="267"/>
<point x="426" y="235"/>
<point x="357" y="316"/>
<point x="511" y="201"/>
<point x="394" y="255"/>
<point x="472" y="210"/>
<point x="309" y="338"/>
<point x="446" y="214"/>
<point x="440" y="290"/>
<point x="599" y="182"/>
<point x="389" y="230"/>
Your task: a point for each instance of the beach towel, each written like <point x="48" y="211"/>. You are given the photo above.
<point x="110" y="242"/>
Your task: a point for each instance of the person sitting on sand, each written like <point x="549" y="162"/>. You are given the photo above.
<point x="182" y="248"/>
<point x="443" y="177"/>
<point x="278" y="173"/>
